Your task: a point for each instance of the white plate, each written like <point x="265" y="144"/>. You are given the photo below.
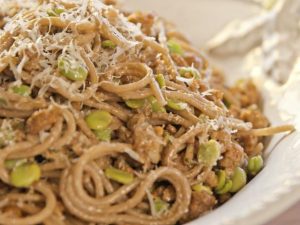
<point x="277" y="186"/>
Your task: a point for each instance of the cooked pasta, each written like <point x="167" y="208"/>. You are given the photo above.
<point x="112" y="117"/>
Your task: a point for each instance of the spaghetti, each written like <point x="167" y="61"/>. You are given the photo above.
<point x="111" y="117"/>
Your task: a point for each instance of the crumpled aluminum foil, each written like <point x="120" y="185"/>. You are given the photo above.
<point x="270" y="40"/>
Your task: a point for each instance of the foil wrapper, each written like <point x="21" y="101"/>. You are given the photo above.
<point x="270" y="40"/>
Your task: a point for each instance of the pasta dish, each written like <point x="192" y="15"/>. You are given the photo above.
<point x="113" y="117"/>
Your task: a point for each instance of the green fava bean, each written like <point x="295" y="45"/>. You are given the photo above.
<point x="25" y="175"/>
<point x="209" y="153"/>
<point x="108" y="44"/>
<point x="221" y="179"/>
<point x="103" y="135"/>
<point x="255" y="164"/>
<point x="120" y="176"/>
<point x="74" y="73"/>
<point x="175" y="47"/>
<point x="135" y="103"/>
<point x="98" y="120"/>
<point x="160" y="206"/>
<point x="239" y="179"/>
<point x="183" y="71"/>
<point x="226" y="188"/>
<point x="23" y="90"/>
<point x="156" y="107"/>
<point x="161" y="80"/>
<point x="59" y="11"/>
<point x="55" y="12"/>
<point x="177" y="105"/>
<point x="200" y="187"/>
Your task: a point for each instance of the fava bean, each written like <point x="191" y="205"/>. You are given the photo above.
<point x="23" y="90"/>
<point x="103" y="135"/>
<point x="161" y="80"/>
<point x="188" y="71"/>
<point x="108" y="44"/>
<point x="135" y="103"/>
<point x="175" y="47"/>
<point x="120" y="176"/>
<point x="156" y="107"/>
<point x="209" y="153"/>
<point x="221" y="179"/>
<point x="25" y="175"/>
<point x="160" y="206"/>
<point x="201" y="187"/>
<point x="177" y="105"/>
<point x="98" y="120"/>
<point x="72" y="72"/>
<point x="239" y="179"/>
<point x="255" y="164"/>
<point x="226" y="188"/>
<point x="55" y="11"/>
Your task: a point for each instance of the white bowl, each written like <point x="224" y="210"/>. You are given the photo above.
<point x="276" y="187"/>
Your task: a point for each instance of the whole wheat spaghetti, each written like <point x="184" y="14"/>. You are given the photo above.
<point x="112" y="117"/>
